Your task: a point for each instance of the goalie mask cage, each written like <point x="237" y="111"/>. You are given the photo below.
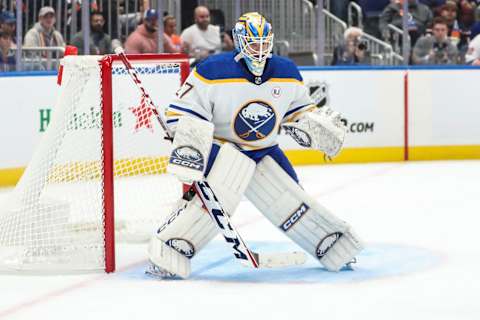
<point x="98" y="174"/>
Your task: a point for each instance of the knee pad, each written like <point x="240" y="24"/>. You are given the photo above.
<point x="301" y="217"/>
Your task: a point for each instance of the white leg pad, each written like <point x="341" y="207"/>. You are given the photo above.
<point x="189" y="228"/>
<point x="301" y="217"/>
<point x="169" y="259"/>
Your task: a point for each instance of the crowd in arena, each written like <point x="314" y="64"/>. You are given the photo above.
<point x="440" y="31"/>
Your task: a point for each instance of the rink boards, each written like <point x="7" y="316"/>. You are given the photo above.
<point x="392" y="114"/>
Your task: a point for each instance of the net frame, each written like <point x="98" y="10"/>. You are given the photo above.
<point x="107" y="96"/>
<point x="106" y="67"/>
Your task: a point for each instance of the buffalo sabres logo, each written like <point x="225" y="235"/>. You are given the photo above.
<point x="255" y="121"/>
<point x="300" y="136"/>
<point x="187" y="156"/>
<point x="326" y="243"/>
<point x="183" y="246"/>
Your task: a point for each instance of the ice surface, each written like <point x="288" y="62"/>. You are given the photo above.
<point x="420" y="221"/>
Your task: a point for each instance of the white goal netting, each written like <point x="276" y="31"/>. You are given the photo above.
<point x="54" y="219"/>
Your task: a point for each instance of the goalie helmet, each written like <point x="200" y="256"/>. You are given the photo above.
<point x="253" y="38"/>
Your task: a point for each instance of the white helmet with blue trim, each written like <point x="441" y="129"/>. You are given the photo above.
<point x="253" y="38"/>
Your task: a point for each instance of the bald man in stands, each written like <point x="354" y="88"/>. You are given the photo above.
<point x="202" y="38"/>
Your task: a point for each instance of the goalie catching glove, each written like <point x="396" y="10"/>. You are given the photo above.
<point x="321" y="129"/>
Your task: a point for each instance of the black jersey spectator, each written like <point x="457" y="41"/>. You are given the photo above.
<point x="466" y="17"/>
<point x="100" y="42"/>
<point x="449" y="11"/>
<point x="436" y="48"/>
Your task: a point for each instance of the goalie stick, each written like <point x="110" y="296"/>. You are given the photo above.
<point x="240" y="250"/>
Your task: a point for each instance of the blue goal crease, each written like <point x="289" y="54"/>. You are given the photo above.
<point x="377" y="261"/>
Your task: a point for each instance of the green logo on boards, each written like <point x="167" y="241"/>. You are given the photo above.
<point x="92" y="119"/>
<point x="44" y="119"/>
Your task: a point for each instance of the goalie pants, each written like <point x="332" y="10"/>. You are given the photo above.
<point x="257" y="155"/>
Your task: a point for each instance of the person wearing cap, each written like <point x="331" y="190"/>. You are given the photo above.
<point x="202" y="38"/>
<point x="100" y="42"/>
<point x="7" y="24"/>
<point x="43" y="33"/>
<point x="144" y="38"/>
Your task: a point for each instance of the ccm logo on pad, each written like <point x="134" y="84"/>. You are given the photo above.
<point x="295" y="217"/>
<point x="187" y="156"/>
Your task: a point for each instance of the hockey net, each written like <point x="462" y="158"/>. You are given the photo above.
<point x="98" y="174"/>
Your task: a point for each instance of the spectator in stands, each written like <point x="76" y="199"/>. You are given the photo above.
<point x="43" y="33"/>
<point x="466" y="17"/>
<point x="419" y="18"/>
<point x="354" y="50"/>
<point x="7" y="55"/>
<point x="100" y="42"/>
<point x="449" y="12"/>
<point x="7" y="24"/>
<point x="227" y="39"/>
<point x="473" y="53"/>
<point x="475" y="30"/>
<point x="436" y="48"/>
<point x="202" y="38"/>
<point x="144" y="39"/>
<point x="340" y="8"/>
<point x="434" y="5"/>
<point x="372" y="10"/>
<point x="172" y="43"/>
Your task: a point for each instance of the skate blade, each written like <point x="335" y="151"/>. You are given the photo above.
<point x="157" y="273"/>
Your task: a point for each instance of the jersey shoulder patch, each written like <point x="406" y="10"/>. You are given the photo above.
<point x="220" y="67"/>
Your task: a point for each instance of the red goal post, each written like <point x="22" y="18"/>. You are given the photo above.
<point x="106" y="74"/>
<point x="98" y="174"/>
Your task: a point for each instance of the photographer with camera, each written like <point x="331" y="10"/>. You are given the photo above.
<point x="354" y="49"/>
<point x="436" y="48"/>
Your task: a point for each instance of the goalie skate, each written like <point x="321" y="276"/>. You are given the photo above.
<point x="158" y="273"/>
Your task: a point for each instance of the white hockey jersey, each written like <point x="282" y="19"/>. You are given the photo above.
<point x="245" y="110"/>
<point x="473" y="52"/>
